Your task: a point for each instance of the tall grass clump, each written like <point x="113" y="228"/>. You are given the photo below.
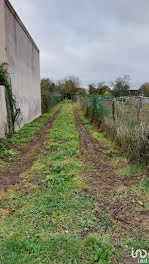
<point x="93" y="109"/>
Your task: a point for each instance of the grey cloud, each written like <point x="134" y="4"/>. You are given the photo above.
<point x="95" y="40"/>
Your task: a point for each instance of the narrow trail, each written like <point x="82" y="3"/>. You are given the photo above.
<point x="27" y="155"/>
<point x="103" y="177"/>
<point x="106" y="184"/>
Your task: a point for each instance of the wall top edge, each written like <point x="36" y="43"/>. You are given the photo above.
<point x="20" y="22"/>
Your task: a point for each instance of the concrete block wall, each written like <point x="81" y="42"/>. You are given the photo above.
<point x="18" y="49"/>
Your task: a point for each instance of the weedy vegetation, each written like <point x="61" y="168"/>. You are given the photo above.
<point x="123" y="122"/>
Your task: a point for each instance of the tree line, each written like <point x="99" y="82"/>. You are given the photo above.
<point x="70" y="86"/>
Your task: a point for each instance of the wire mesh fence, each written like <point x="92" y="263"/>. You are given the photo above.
<point x="48" y="100"/>
<point x="133" y="110"/>
<point x="124" y="119"/>
<point x="127" y="109"/>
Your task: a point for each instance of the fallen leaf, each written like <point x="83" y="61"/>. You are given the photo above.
<point x="11" y="234"/>
<point x="61" y="252"/>
<point x="140" y="202"/>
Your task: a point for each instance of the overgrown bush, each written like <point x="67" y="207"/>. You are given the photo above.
<point x="48" y="100"/>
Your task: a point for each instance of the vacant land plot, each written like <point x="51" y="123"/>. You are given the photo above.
<point x="69" y="195"/>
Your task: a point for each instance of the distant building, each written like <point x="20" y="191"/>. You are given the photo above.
<point x="135" y="93"/>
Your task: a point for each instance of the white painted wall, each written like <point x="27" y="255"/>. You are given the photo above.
<point x="19" y="50"/>
<point x="2" y="33"/>
<point x="24" y="69"/>
<point x="3" y="112"/>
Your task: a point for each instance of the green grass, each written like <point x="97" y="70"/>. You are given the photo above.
<point x="145" y="183"/>
<point x="55" y="221"/>
<point x="131" y="169"/>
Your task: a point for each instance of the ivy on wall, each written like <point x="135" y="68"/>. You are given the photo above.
<point x="13" y="110"/>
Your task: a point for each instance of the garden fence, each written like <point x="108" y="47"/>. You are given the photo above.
<point x="124" y="119"/>
<point x="126" y="109"/>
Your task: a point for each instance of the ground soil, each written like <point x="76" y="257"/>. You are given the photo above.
<point x="27" y="155"/>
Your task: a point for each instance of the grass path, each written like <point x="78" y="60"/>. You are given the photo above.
<point x="54" y="218"/>
<point x="49" y="219"/>
<point x="27" y="155"/>
<point x="11" y="149"/>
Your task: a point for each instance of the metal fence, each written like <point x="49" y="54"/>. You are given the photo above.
<point x="48" y="100"/>
<point x="135" y="109"/>
<point x="124" y="109"/>
<point x="125" y="119"/>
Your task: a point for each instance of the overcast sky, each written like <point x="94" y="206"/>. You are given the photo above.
<point x="96" y="40"/>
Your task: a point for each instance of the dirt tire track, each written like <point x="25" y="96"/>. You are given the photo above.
<point x="93" y="152"/>
<point x="27" y="155"/>
<point x="104" y="181"/>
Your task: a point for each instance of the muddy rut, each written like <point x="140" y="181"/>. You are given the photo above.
<point x="103" y="177"/>
<point x="106" y="183"/>
<point x="27" y="155"/>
